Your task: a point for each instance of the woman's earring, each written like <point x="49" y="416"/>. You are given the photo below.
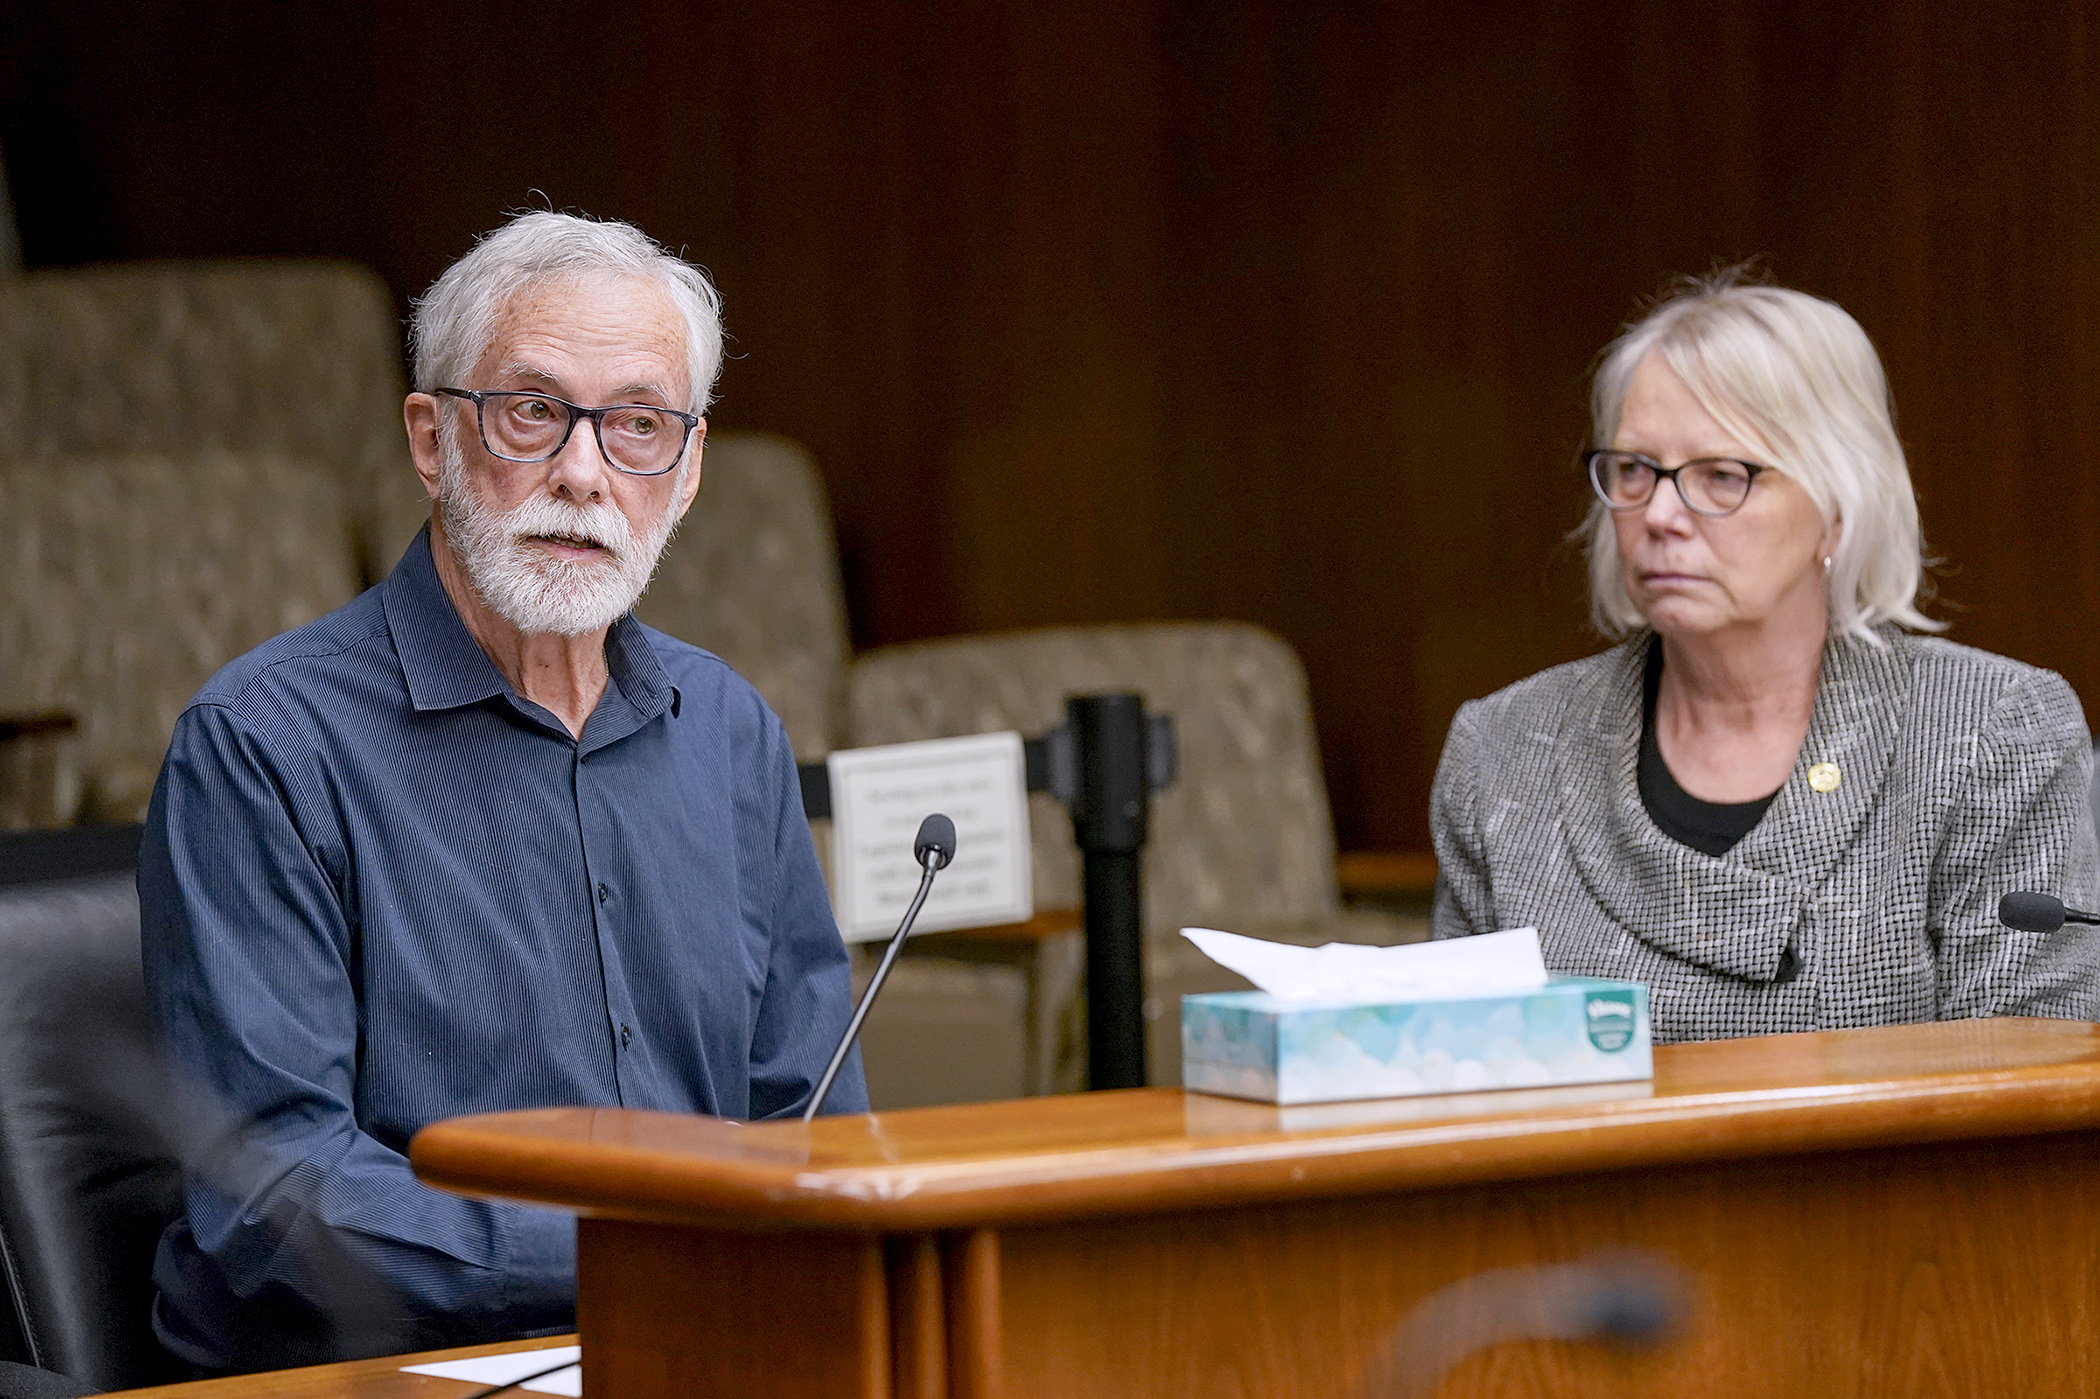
<point x="1826" y="565"/>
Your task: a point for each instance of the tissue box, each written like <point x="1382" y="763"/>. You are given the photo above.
<point x="1574" y="1029"/>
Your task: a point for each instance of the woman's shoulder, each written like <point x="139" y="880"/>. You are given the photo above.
<point x="1970" y="689"/>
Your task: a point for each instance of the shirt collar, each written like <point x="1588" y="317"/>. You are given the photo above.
<point x="635" y="669"/>
<point x="445" y="668"/>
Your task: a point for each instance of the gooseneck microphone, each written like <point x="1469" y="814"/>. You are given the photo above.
<point x="2029" y="912"/>
<point x="934" y="849"/>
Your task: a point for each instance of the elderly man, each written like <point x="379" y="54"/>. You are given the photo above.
<point x="479" y="840"/>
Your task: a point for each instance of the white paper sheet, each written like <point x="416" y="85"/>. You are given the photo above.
<point x="503" y="1369"/>
<point x="1343" y="973"/>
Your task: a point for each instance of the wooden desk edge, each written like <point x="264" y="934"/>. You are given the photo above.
<point x="479" y="1157"/>
<point x="377" y="1378"/>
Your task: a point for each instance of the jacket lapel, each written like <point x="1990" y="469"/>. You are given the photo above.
<point x="1735" y="913"/>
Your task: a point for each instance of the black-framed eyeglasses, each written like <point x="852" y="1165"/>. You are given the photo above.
<point x="636" y="438"/>
<point x="1712" y="486"/>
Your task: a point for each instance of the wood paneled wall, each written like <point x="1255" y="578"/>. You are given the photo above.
<point x="1241" y="308"/>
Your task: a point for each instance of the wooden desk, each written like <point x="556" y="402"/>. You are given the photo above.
<point x="1900" y="1211"/>
<point x="353" y="1379"/>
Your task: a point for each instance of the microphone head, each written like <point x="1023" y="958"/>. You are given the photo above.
<point x="2030" y="912"/>
<point x="937" y="842"/>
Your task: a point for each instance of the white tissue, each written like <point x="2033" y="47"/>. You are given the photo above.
<point x="1342" y="973"/>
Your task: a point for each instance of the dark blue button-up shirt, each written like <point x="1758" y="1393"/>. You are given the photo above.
<point x="379" y="888"/>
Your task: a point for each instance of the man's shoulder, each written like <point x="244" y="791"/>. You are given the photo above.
<point x="694" y="669"/>
<point x="305" y="655"/>
<point x="705" y="679"/>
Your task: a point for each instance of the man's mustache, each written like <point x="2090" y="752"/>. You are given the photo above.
<point x="598" y="527"/>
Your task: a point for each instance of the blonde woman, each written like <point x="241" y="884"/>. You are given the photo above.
<point x="1774" y="802"/>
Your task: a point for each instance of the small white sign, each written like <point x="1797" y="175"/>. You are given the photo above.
<point x="878" y="798"/>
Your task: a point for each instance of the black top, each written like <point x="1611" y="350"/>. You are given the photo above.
<point x="1710" y="827"/>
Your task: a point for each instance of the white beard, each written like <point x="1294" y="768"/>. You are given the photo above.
<point x="523" y="584"/>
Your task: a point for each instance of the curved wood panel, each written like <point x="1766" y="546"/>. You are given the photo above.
<point x="1148" y="1150"/>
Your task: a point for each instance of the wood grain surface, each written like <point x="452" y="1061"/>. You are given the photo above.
<point x="1904" y="1211"/>
<point x="918" y="1317"/>
<point x="672" y="1311"/>
<point x="976" y="1274"/>
<point x="1949" y="1269"/>
<point x="1159" y="1149"/>
<point x="378" y="1378"/>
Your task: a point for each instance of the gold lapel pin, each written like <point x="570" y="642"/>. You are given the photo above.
<point x="1824" y="777"/>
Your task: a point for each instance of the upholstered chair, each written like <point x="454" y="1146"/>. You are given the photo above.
<point x="1241" y="841"/>
<point x="87" y="1136"/>
<point x="297" y="361"/>
<point x="753" y="575"/>
<point x="201" y="454"/>
<point x="126" y="581"/>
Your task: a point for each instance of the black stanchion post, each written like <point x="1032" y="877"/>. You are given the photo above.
<point x="1108" y="822"/>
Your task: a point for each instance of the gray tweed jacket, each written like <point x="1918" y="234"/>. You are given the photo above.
<point x="1963" y="776"/>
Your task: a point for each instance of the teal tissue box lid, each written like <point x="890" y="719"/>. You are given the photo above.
<point x="1574" y="1029"/>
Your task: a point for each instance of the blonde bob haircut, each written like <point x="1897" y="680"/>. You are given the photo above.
<point x="1795" y="380"/>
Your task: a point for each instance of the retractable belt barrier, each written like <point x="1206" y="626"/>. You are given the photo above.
<point x="1104" y="763"/>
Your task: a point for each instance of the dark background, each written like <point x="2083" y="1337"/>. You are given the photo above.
<point x="1140" y="309"/>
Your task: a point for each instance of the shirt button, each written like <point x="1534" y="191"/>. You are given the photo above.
<point x="603" y="893"/>
<point x="625" y="1035"/>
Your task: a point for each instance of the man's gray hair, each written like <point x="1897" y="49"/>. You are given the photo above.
<point x="1794" y="379"/>
<point x="456" y="319"/>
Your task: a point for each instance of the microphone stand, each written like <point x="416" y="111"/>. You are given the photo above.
<point x="932" y="859"/>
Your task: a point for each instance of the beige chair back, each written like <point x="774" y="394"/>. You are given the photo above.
<point x="125" y="582"/>
<point x="753" y="576"/>
<point x="294" y="360"/>
<point x="1244" y="833"/>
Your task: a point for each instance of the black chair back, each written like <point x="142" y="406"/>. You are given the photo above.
<point x="86" y="1179"/>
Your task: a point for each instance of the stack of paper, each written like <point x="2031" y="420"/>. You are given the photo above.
<point x="510" y="1368"/>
